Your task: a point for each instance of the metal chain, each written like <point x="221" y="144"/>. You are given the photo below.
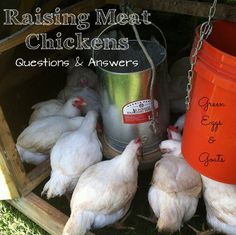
<point x="205" y="31"/>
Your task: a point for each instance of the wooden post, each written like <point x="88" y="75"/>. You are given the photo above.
<point x="12" y="170"/>
<point x="7" y="184"/>
<point x="14" y="181"/>
<point x="36" y="176"/>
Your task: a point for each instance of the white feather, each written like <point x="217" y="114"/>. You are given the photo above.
<point x="38" y="138"/>
<point x="104" y="192"/>
<point x="220" y="200"/>
<point x="72" y="154"/>
<point x="54" y="108"/>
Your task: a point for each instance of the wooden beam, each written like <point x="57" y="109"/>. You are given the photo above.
<point x="42" y="213"/>
<point x="6" y="58"/>
<point x="8" y="186"/>
<point x="36" y="176"/>
<point x="10" y="155"/>
<point x="194" y="8"/>
<point x="19" y="37"/>
<point x="13" y="178"/>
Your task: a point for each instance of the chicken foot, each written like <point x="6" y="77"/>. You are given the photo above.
<point x="152" y="218"/>
<point x="68" y="196"/>
<point x="120" y="225"/>
<point x="204" y="232"/>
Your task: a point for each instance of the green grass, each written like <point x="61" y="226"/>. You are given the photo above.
<point x="12" y="222"/>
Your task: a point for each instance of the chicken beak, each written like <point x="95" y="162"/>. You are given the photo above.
<point x="79" y="103"/>
<point x="140" y="153"/>
<point x="163" y="151"/>
<point x="83" y="103"/>
<point x="99" y="128"/>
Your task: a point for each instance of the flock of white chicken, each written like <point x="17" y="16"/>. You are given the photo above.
<point x="103" y="190"/>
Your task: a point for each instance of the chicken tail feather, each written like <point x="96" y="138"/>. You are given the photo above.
<point x="30" y="157"/>
<point x="79" y="223"/>
<point x="170" y="221"/>
<point x="57" y="185"/>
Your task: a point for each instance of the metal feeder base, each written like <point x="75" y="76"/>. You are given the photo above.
<point x="147" y="163"/>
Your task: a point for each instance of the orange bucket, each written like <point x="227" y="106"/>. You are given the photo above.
<point x="209" y="138"/>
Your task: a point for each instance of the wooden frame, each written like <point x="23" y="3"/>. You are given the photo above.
<point x="42" y="213"/>
<point x="14" y="181"/>
<point x="17" y="182"/>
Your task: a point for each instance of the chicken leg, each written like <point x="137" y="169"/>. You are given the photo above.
<point x="152" y="218"/>
<point x="204" y="232"/>
<point x="120" y="224"/>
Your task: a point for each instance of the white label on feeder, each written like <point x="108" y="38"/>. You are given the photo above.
<point x="139" y="111"/>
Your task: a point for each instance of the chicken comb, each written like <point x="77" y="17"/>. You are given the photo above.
<point x="83" y="82"/>
<point x="79" y="101"/>
<point x="171" y="128"/>
<point x="137" y="141"/>
<point x="99" y="127"/>
<point x="79" y="98"/>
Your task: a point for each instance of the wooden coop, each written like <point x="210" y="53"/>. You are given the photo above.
<point x="16" y="182"/>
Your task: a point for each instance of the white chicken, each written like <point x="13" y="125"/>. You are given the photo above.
<point x="74" y="78"/>
<point x="54" y="102"/>
<point x="180" y="123"/>
<point x="36" y="141"/>
<point x="174" y="134"/>
<point x="104" y="192"/>
<point x="220" y="200"/>
<point x="72" y="154"/>
<point x="175" y="188"/>
<point x="56" y="108"/>
<point x="75" y="74"/>
<point x="92" y="98"/>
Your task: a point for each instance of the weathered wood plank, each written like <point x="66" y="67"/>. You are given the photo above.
<point x="5" y="59"/>
<point x="194" y="8"/>
<point x="13" y="179"/>
<point x="36" y="176"/>
<point x="7" y="185"/>
<point x="10" y="155"/>
<point x="19" y="37"/>
<point x="42" y="213"/>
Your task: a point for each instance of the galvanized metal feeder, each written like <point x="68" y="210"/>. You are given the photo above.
<point x="127" y="95"/>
